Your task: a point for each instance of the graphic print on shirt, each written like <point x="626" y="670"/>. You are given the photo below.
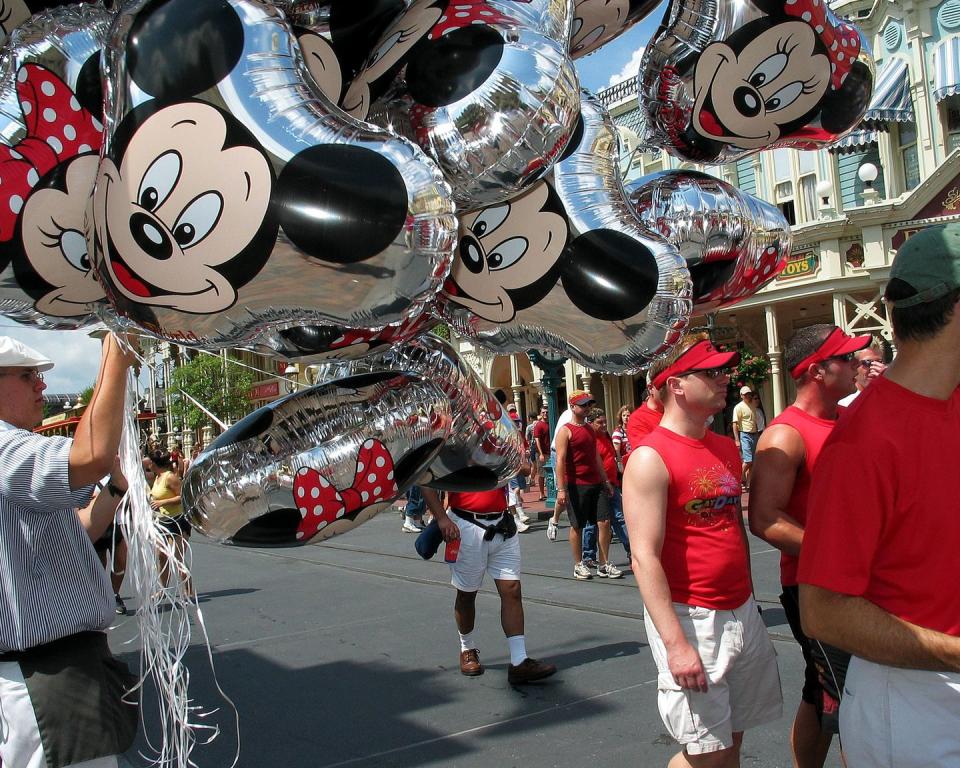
<point x="716" y="495"/>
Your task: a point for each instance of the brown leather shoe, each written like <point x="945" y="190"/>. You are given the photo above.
<point x="470" y="663"/>
<point x="529" y="671"/>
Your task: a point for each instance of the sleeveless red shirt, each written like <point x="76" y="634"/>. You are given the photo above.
<point x="814" y="433"/>
<point x="582" y="455"/>
<point x="608" y="455"/>
<point x="704" y="554"/>
<point x="481" y="502"/>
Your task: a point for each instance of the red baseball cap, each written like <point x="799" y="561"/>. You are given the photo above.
<point x="702" y="356"/>
<point x="836" y="344"/>
<point x="581" y="398"/>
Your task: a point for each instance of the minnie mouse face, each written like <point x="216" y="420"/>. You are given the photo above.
<point x="505" y="249"/>
<point x="594" y="21"/>
<point x="54" y="246"/>
<point x="398" y="40"/>
<point x="183" y="202"/>
<point x="745" y="97"/>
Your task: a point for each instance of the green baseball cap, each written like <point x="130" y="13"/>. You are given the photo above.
<point x="929" y="262"/>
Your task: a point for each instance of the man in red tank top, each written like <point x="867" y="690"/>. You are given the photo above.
<point x="645" y="418"/>
<point x="582" y="484"/>
<point x="717" y="670"/>
<point x="821" y="359"/>
<point x="481" y="538"/>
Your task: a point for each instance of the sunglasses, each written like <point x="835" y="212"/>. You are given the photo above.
<point x="27" y="377"/>
<point x="866" y="363"/>
<point x="710" y="373"/>
<point x="847" y="358"/>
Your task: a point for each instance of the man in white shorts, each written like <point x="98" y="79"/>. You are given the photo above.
<point x="717" y="670"/>
<point x="481" y="538"/>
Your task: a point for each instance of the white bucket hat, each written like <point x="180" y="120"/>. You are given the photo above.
<point x="15" y="354"/>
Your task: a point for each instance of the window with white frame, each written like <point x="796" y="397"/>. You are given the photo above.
<point x="951" y="122"/>
<point x="783" y="184"/>
<point x="909" y="155"/>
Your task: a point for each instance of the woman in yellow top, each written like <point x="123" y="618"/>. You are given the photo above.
<point x="165" y="501"/>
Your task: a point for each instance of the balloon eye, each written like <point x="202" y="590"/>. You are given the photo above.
<point x="489" y="219"/>
<point x="159" y="180"/>
<point x="769" y="69"/>
<point x="508" y="253"/>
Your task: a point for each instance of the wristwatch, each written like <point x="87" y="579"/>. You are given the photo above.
<point x="113" y="489"/>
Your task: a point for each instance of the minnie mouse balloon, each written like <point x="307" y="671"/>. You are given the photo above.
<point x="567" y="266"/>
<point x="734" y="243"/>
<point x="317" y="463"/>
<point x="50" y="135"/>
<point x="596" y="22"/>
<point x="720" y="81"/>
<point x="233" y="198"/>
<point x="484" y="86"/>
<point x="484" y="448"/>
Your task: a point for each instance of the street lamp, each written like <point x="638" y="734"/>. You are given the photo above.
<point x="867" y="173"/>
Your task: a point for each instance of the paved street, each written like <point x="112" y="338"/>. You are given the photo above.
<point x="346" y="654"/>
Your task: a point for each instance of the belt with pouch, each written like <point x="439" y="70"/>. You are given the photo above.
<point x="506" y="526"/>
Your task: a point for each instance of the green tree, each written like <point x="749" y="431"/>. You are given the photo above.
<point x="85" y="395"/>
<point x="203" y="379"/>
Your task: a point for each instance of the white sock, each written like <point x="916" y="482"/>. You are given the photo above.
<point x="466" y="641"/>
<point x="518" y="649"/>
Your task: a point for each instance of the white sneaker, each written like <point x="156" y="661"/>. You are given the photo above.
<point x="522" y="516"/>
<point x="552" y="531"/>
<point x="581" y="572"/>
<point x="409" y="527"/>
<point x="522" y="527"/>
<point x="590" y="563"/>
<point x="609" y="571"/>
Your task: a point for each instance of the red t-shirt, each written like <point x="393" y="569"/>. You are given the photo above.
<point x="642" y="422"/>
<point x="608" y="455"/>
<point x="481" y="502"/>
<point x="541" y="435"/>
<point x="814" y="433"/>
<point x="704" y="554"/>
<point x="582" y="455"/>
<point x="883" y="521"/>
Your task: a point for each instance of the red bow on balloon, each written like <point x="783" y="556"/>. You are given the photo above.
<point x="320" y="503"/>
<point x="842" y="39"/>
<point x="58" y="128"/>
<point x="463" y="13"/>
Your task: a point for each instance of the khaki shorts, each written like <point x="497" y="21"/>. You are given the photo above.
<point x="742" y="677"/>
<point x="498" y="557"/>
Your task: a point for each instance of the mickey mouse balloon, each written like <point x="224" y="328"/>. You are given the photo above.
<point x="597" y="22"/>
<point x="234" y="199"/>
<point x="317" y="463"/>
<point x="720" y="81"/>
<point x="484" y="86"/>
<point x="734" y="243"/>
<point x="50" y="113"/>
<point x="567" y="266"/>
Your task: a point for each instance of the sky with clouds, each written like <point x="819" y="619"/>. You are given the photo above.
<point x="77" y="356"/>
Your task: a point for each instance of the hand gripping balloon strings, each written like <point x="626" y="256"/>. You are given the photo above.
<point x="58" y="128"/>
<point x="165" y="631"/>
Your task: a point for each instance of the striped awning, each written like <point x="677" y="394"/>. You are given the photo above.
<point x="862" y="137"/>
<point x="891" y="101"/>
<point x="946" y="68"/>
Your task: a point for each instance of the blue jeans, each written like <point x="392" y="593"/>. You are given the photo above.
<point x="416" y="504"/>
<point x="589" y="534"/>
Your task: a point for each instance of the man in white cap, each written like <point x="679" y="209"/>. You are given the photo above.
<point x="745" y="432"/>
<point x="60" y="688"/>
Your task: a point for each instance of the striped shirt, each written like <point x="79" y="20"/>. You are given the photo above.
<point x="51" y="583"/>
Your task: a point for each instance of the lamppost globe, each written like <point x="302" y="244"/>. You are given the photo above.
<point x="824" y="189"/>
<point x="867" y="173"/>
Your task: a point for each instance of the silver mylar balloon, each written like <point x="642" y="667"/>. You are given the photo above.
<point x="596" y="22"/>
<point x="317" y="463"/>
<point x="311" y="344"/>
<point x="336" y="36"/>
<point x="567" y="266"/>
<point x="233" y="198"/>
<point x="485" y="86"/>
<point x="734" y="243"/>
<point x="484" y="448"/>
<point x="720" y="81"/>
<point x="50" y="134"/>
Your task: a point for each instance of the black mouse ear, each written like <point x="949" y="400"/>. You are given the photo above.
<point x="340" y="203"/>
<point x="609" y="275"/>
<point x="841" y="109"/>
<point x="250" y="426"/>
<point x="710" y="276"/>
<point x="181" y="48"/>
<point x="640" y="8"/>
<point x="440" y="72"/>
<point x="89" y="90"/>
<point x="411" y="465"/>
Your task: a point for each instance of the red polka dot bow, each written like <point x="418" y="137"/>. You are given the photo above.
<point x="842" y="39"/>
<point x="463" y="13"/>
<point x="320" y="503"/>
<point x="58" y="128"/>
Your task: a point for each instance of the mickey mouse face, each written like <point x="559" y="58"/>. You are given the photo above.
<point x="322" y="63"/>
<point x="196" y="203"/>
<point x="597" y="22"/>
<point x="503" y="249"/>
<point x="54" y="245"/>
<point x="745" y="98"/>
